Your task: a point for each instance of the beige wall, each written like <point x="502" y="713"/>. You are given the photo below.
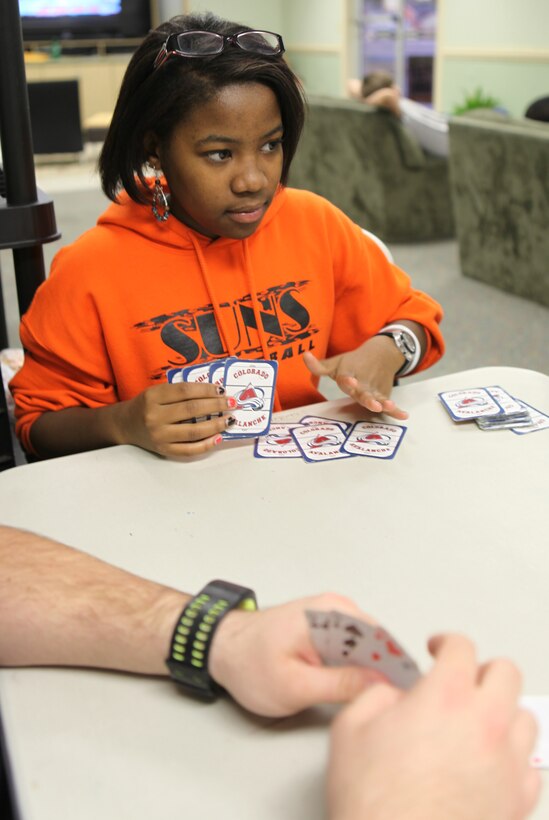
<point x="501" y="46"/>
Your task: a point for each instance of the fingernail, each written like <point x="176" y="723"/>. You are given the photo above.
<point x="218" y="440"/>
<point x="220" y="390"/>
<point x="231" y="402"/>
<point x="230" y="421"/>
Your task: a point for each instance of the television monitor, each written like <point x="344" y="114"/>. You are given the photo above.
<point x="84" y="19"/>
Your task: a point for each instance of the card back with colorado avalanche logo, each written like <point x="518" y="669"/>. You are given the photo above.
<point x="374" y="439"/>
<point x="320" y="441"/>
<point x="193" y="373"/>
<point x="252" y="383"/>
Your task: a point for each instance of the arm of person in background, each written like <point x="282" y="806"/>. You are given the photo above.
<point x="386" y="98"/>
<point x="456" y="746"/>
<point x="367" y="374"/>
<point x="173" y="420"/>
<point x="62" y="607"/>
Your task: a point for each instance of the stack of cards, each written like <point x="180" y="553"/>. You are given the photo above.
<point x="250" y="381"/>
<point x="493" y="408"/>
<point x="315" y="439"/>
<point x="342" y="640"/>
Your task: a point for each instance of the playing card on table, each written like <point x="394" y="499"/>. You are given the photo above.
<point x="374" y="439"/>
<point x="345" y="425"/>
<point x="539" y="706"/>
<point x="342" y="640"/>
<point x="539" y="421"/>
<point x="320" y="441"/>
<point x="463" y="405"/>
<point x="507" y="402"/>
<point x="508" y="421"/>
<point x="278" y="443"/>
<point x="252" y="384"/>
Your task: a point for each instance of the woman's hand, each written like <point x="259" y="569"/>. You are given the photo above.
<point x="366" y="374"/>
<point x="175" y="420"/>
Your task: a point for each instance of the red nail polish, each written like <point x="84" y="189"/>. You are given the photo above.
<point x="231" y="402"/>
<point x="218" y="440"/>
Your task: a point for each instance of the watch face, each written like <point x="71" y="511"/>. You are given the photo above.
<point x="405" y="344"/>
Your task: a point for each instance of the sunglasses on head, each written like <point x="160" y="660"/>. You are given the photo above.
<point x="208" y="43"/>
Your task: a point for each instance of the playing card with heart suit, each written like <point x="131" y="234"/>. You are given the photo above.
<point x="342" y="639"/>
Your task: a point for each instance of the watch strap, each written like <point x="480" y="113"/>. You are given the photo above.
<point x="411" y="361"/>
<point x="194" y="631"/>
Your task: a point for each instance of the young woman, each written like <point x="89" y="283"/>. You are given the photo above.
<point x="204" y="254"/>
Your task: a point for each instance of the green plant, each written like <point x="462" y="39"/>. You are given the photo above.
<point x="478" y="99"/>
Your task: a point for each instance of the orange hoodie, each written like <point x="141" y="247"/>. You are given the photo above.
<point x="133" y="297"/>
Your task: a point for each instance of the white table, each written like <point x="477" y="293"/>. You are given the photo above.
<point x="450" y="535"/>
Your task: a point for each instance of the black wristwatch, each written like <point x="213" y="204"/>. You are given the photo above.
<point x="194" y="631"/>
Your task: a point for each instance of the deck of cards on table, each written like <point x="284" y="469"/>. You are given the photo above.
<point x="493" y="408"/>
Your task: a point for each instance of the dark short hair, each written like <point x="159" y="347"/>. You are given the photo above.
<point x="538" y="110"/>
<point x="158" y="100"/>
<point x="375" y="81"/>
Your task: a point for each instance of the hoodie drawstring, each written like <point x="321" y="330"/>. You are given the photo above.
<point x="217" y="310"/>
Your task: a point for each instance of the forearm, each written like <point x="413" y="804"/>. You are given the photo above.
<point x="78" y="429"/>
<point x="62" y="607"/>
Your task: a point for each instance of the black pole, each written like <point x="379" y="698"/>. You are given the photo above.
<point x="14" y="109"/>
<point x="17" y="149"/>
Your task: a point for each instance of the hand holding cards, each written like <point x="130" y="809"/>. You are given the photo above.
<point x="250" y="382"/>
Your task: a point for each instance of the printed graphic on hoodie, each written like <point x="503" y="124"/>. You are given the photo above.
<point x="197" y="335"/>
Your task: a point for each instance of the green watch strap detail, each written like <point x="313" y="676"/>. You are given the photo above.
<point x="194" y="630"/>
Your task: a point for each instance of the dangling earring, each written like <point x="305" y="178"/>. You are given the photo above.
<point x="160" y="204"/>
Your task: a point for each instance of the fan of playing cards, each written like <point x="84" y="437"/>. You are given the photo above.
<point x="250" y="381"/>
<point x="341" y="639"/>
